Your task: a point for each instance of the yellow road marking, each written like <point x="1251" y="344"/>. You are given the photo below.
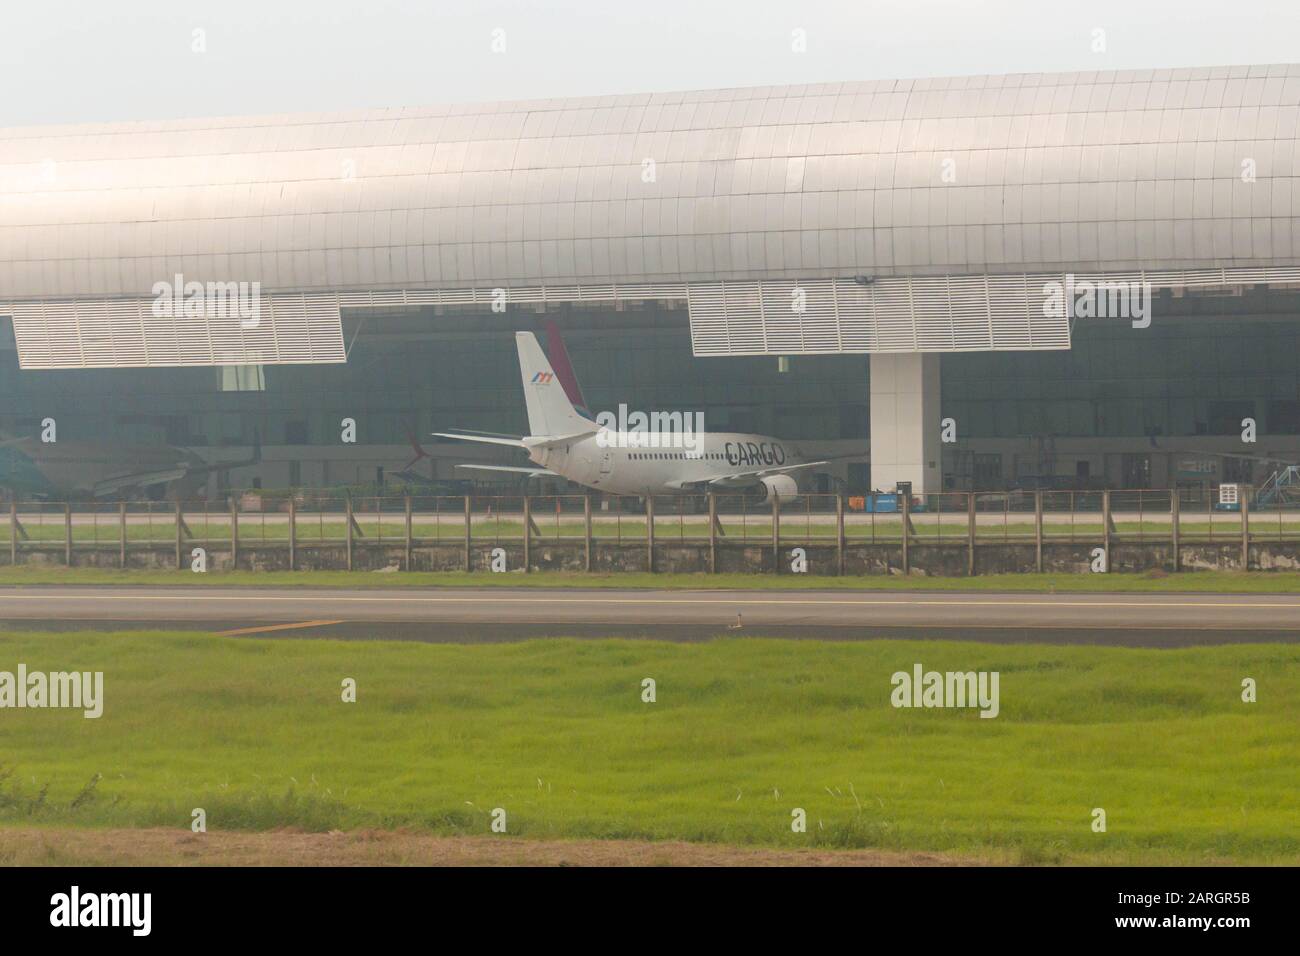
<point x="274" y="627"/>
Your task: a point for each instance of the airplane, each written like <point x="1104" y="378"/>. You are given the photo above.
<point x="566" y="441"/>
<point x="80" y="469"/>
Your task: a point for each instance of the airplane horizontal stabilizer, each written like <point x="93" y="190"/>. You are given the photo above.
<point x="486" y="439"/>
<point x="548" y="441"/>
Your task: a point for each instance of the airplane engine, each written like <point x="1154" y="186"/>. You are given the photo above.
<point x="782" y="485"/>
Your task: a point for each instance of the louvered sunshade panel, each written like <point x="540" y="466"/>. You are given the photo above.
<point x="762" y="317"/>
<point x="979" y="313"/>
<point x="824" y="316"/>
<point x="125" y="333"/>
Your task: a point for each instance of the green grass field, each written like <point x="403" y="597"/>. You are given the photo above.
<point x="1221" y="582"/>
<point x="555" y="732"/>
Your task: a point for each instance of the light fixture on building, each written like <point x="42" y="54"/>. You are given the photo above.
<point x="783" y="363"/>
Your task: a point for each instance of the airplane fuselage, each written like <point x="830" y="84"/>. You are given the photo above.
<point x="642" y="463"/>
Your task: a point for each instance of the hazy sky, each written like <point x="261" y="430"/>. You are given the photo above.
<point x="79" y="60"/>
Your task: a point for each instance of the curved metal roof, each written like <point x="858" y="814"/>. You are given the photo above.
<point x="1155" y="169"/>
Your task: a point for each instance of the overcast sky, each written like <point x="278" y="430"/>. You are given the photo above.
<point x="82" y="60"/>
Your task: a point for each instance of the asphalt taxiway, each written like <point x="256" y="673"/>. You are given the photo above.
<point x="502" y="614"/>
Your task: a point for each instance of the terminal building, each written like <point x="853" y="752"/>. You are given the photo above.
<point x="864" y="266"/>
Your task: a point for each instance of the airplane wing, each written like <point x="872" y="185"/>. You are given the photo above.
<point x="139" y="479"/>
<point x="1233" y="454"/>
<point x="844" y="457"/>
<point x="743" y="478"/>
<point x="205" y="467"/>
<point x="531" y="472"/>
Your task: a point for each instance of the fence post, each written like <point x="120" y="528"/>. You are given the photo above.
<point x="1038" y="531"/>
<point x="410" y="544"/>
<point x="234" y="532"/>
<point x="13" y="530"/>
<point x="347" y="505"/>
<point x="1245" y="527"/>
<point x="776" y="533"/>
<point x="1105" y="526"/>
<point x="586" y="521"/>
<point x="121" y="522"/>
<point x="293" y="534"/>
<point x="713" y="533"/>
<point x="180" y="523"/>
<point x="469" y="513"/>
<point x="67" y="533"/>
<point x="650" y="532"/>
<point x="905" y="510"/>
<point x="970" y="534"/>
<point x="839" y="532"/>
<point x="1174" y="507"/>
<point x="528" y="534"/>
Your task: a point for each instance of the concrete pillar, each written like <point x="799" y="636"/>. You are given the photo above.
<point x="905" y="421"/>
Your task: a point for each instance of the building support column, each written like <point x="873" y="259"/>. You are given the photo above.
<point x="905" y="421"/>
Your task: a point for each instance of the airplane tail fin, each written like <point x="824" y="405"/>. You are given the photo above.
<point x="559" y="356"/>
<point x="550" y="412"/>
<point x="415" y="447"/>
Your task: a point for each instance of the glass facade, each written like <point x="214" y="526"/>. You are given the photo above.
<point x="424" y="373"/>
<point x="1185" y="377"/>
<point x="1197" y="374"/>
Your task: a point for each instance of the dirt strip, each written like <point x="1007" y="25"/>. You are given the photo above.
<point x="159" y="847"/>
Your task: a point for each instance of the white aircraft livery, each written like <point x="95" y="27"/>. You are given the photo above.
<point x="628" y="459"/>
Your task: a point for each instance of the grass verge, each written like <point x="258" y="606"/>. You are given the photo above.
<point x="743" y="731"/>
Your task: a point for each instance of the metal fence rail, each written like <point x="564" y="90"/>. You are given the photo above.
<point x="949" y="519"/>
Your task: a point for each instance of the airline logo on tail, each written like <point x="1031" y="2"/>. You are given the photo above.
<point x="543" y="378"/>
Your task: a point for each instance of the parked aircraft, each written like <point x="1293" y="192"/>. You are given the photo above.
<point x="619" y="456"/>
<point x="68" y="469"/>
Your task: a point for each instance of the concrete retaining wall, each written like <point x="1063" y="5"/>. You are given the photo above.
<point x="952" y="559"/>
